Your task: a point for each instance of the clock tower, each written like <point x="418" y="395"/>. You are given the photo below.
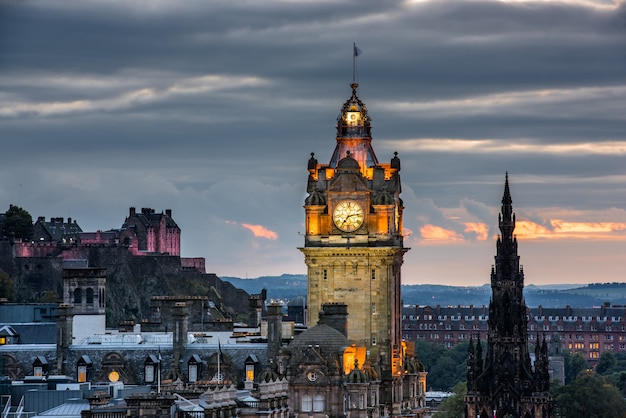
<point x="353" y="245"/>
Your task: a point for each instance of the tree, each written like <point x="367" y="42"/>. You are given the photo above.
<point x="574" y="364"/>
<point x="454" y="406"/>
<point x="17" y="223"/>
<point x="7" y="290"/>
<point x="50" y="296"/>
<point x="590" y="396"/>
<point x="445" y="366"/>
<point x="606" y="363"/>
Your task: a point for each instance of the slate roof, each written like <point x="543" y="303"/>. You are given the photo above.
<point x="36" y="333"/>
<point x="75" y="264"/>
<point x="71" y="409"/>
<point x="323" y="335"/>
<point x="57" y="228"/>
<point x="148" y="217"/>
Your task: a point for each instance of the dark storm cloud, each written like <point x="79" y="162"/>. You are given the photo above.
<point x="212" y="108"/>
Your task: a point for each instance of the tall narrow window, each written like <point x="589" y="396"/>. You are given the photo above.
<point x="82" y="374"/>
<point x="325" y="274"/>
<point x="373" y="274"/>
<point x="193" y="372"/>
<point x="318" y="403"/>
<point x="89" y="296"/>
<point x="373" y="308"/>
<point x="307" y="403"/>
<point x="78" y="295"/>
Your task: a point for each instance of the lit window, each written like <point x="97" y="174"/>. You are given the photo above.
<point x="82" y="374"/>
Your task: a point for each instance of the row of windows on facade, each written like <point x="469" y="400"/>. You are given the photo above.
<point x="428" y="317"/>
<point x="316" y="403"/>
<point x="531" y="327"/>
<point x="531" y="337"/>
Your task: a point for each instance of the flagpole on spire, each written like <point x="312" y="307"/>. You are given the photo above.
<point x="355" y="53"/>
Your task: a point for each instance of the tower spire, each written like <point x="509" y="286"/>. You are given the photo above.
<point x="507" y="383"/>
<point x="507" y="217"/>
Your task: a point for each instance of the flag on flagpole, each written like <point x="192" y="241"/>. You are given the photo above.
<point x="219" y="360"/>
<point x="357" y="51"/>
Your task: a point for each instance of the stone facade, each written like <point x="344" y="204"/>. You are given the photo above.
<point x="354" y="251"/>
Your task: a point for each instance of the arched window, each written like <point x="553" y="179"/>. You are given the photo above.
<point x="318" y="403"/>
<point x="78" y="295"/>
<point x="89" y="295"/>
<point x="307" y="403"/>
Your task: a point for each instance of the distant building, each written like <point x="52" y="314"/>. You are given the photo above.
<point x="588" y="331"/>
<point x="503" y="381"/>
<point x="56" y="230"/>
<point x="151" y="232"/>
<point x="143" y="233"/>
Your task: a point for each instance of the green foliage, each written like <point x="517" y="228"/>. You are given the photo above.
<point x="590" y="395"/>
<point x="18" y="223"/>
<point x="574" y="364"/>
<point x="7" y="289"/>
<point x="454" y="406"/>
<point x="50" y="296"/>
<point x="605" y="363"/>
<point x="445" y="366"/>
<point x="612" y="366"/>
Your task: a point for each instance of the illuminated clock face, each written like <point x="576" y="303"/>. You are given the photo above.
<point x="114" y="376"/>
<point x="348" y="215"/>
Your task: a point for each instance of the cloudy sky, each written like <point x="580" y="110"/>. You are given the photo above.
<point x="212" y="108"/>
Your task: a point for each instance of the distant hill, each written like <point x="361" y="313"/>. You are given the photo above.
<point x="288" y="286"/>
<point x="284" y="287"/>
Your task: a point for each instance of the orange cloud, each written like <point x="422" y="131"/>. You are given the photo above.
<point x="480" y="229"/>
<point x="437" y="233"/>
<point x="569" y="230"/>
<point x="586" y="227"/>
<point x="531" y="230"/>
<point x="261" y="231"/>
